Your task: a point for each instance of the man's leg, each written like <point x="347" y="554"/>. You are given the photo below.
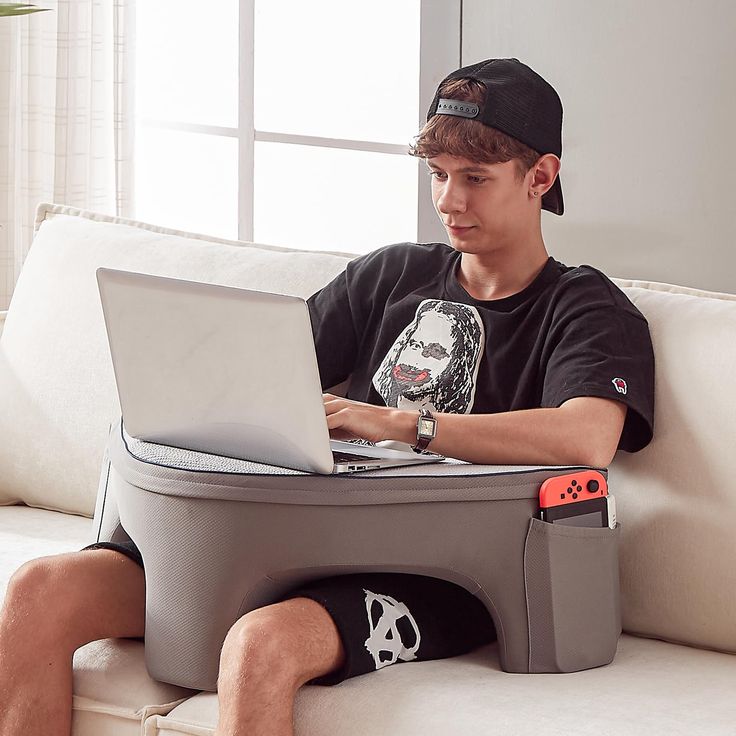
<point x="381" y="618"/>
<point x="267" y="656"/>
<point x="53" y="606"/>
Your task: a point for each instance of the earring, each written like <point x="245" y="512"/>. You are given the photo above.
<point x="536" y="194"/>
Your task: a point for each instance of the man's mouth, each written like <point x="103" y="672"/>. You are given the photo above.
<point x="458" y="230"/>
<point x="410" y="374"/>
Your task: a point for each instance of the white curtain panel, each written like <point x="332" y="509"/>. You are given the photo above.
<point x="66" y="117"/>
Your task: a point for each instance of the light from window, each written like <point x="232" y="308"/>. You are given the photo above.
<point x="333" y="199"/>
<point x="338" y="69"/>
<point x="187" y="181"/>
<point x="187" y="61"/>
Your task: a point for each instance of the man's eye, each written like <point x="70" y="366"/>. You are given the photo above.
<point x="476" y="179"/>
<point x="437" y="175"/>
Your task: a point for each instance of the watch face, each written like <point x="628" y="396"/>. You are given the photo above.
<point x="426" y="427"/>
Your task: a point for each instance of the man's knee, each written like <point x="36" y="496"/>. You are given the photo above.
<point x="34" y="602"/>
<point x="263" y="642"/>
<point x="77" y="597"/>
<point x="30" y="585"/>
<point x="293" y="640"/>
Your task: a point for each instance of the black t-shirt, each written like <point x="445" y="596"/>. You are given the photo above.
<point x="398" y="322"/>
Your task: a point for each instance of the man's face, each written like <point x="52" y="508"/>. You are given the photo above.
<point x="482" y="206"/>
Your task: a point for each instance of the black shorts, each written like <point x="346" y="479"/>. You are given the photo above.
<point x="385" y="618"/>
<point x="128" y="548"/>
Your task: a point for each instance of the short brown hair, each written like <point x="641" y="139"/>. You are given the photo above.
<point x="471" y="139"/>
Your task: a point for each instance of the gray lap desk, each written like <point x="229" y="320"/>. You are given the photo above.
<point x="220" y="537"/>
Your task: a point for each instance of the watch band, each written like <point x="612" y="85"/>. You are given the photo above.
<point x="426" y="430"/>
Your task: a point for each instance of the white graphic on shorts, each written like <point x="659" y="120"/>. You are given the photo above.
<point x="620" y="385"/>
<point x="434" y="362"/>
<point x="385" y="643"/>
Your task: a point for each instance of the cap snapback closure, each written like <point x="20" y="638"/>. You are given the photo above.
<point x="461" y="108"/>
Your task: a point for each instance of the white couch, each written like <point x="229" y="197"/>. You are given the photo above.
<point x="674" y="672"/>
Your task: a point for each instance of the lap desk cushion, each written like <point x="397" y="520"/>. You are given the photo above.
<point x="220" y="537"/>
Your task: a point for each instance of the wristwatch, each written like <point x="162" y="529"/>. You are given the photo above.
<point x="426" y="430"/>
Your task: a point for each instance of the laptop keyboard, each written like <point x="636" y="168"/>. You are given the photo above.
<point x="349" y="457"/>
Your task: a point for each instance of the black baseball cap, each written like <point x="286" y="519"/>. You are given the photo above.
<point x="519" y="103"/>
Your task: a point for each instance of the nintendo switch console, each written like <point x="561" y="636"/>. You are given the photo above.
<point x="577" y="499"/>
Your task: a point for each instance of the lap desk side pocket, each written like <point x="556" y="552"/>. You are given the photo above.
<point x="220" y="537"/>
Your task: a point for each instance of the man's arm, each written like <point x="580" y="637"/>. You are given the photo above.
<point x="583" y="431"/>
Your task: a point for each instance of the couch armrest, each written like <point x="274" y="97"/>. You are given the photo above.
<point x="3" y="315"/>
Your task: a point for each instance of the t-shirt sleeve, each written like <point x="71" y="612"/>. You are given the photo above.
<point x="342" y="312"/>
<point x="339" y="313"/>
<point x="606" y="352"/>
<point x="335" y="336"/>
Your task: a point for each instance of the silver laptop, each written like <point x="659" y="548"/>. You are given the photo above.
<point x="226" y="371"/>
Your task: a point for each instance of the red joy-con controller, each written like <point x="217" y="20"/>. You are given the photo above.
<point x="580" y="486"/>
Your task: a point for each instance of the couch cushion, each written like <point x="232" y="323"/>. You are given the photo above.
<point x="676" y="499"/>
<point x="56" y="379"/>
<point x="27" y="533"/>
<point x="113" y="694"/>
<point x="650" y="688"/>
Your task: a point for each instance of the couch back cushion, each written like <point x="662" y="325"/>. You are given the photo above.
<point x="57" y="389"/>
<point x="676" y="499"/>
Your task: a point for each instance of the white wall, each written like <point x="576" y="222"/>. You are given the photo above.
<point x="649" y="128"/>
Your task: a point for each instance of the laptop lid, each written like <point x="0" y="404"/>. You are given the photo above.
<point x="218" y="369"/>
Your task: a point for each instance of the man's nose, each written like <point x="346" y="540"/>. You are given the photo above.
<point x="451" y="199"/>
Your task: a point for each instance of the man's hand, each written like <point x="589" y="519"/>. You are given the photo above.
<point x="349" y="420"/>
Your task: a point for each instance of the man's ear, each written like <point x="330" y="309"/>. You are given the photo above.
<point x="544" y="172"/>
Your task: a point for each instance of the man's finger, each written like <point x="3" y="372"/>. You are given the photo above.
<point x="328" y="399"/>
<point x="336" y="419"/>
<point x="333" y="406"/>
<point x="335" y="426"/>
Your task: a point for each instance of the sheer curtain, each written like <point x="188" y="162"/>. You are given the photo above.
<point x="66" y="117"/>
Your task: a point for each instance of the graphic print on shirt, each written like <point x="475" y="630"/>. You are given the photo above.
<point x="394" y="633"/>
<point x="434" y="362"/>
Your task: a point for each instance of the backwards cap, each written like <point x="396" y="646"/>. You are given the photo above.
<point x="517" y="102"/>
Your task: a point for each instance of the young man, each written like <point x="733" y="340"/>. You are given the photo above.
<point x="517" y="358"/>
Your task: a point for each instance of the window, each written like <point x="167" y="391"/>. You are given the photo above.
<point x="287" y="122"/>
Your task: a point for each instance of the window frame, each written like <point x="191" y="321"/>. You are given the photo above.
<point x="440" y="52"/>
